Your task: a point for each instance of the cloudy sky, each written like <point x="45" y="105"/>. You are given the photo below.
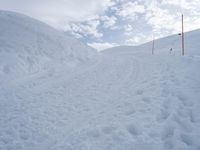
<point x="107" y="23"/>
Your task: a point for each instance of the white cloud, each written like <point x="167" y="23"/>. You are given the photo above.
<point x="133" y="41"/>
<point x="102" y="46"/>
<point x="130" y="10"/>
<point x="128" y="29"/>
<point x="87" y="29"/>
<point x="138" y="39"/>
<point x="183" y="4"/>
<point x="162" y="19"/>
<point x="109" y="22"/>
<point x="165" y="17"/>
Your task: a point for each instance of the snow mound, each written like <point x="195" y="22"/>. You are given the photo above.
<point x="29" y="46"/>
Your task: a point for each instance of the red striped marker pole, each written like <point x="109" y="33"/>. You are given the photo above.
<point x="183" y="44"/>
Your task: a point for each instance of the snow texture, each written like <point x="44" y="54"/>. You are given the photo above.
<point x="58" y="94"/>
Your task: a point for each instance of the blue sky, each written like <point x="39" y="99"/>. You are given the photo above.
<point x="106" y="23"/>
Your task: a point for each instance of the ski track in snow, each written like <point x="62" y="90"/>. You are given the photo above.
<point x="120" y="102"/>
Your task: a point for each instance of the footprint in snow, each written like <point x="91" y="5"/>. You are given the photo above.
<point x="187" y="139"/>
<point x="184" y="99"/>
<point x="109" y="129"/>
<point x="183" y="124"/>
<point x="192" y="116"/>
<point x="167" y="103"/>
<point x="139" y="92"/>
<point x="167" y="137"/>
<point x="168" y="144"/>
<point x="94" y="133"/>
<point x="146" y="100"/>
<point x="167" y="133"/>
<point x="164" y="114"/>
<point x="130" y="112"/>
<point x="134" y="130"/>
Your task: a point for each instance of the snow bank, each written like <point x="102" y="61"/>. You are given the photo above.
<point x="28" y="46"/>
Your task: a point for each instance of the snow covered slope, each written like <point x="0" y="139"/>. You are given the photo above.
<point x="28" y="46"/>
<point x="164" y="44"/>
<point x="127" y="99"/>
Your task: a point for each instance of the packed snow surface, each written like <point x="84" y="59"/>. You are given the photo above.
<point x="123" y="99"/>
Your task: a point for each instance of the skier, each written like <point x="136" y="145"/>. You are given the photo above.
<point x="170" y="50"/>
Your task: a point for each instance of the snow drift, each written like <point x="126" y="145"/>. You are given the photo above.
<point x="28" y="46"/>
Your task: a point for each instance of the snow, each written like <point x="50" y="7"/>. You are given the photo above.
<point x="123" y="98"/>
<point x="29" y="47"/>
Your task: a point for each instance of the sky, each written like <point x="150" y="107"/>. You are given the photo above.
<point x="106" y="23"/>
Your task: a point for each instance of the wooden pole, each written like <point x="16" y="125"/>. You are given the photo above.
<point x="183" y="44"/>
<point x="152" y="51"/>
